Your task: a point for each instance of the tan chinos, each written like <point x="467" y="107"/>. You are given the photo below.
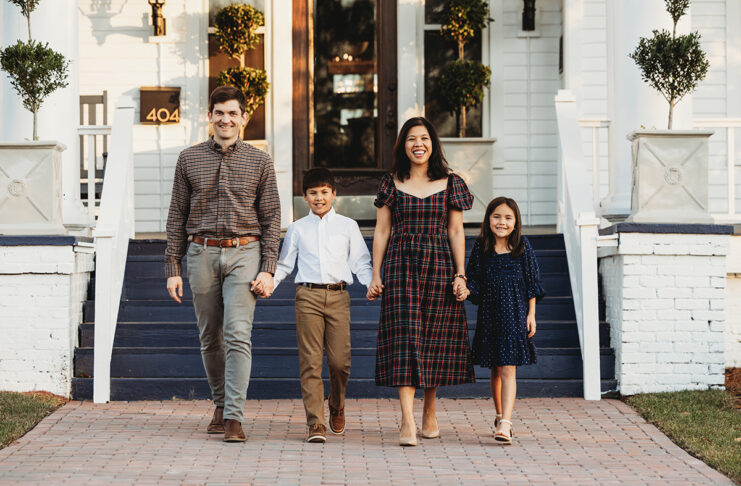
<point x="322" y="323"/>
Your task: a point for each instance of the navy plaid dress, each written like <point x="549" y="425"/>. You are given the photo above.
<point x="422" y="336"/>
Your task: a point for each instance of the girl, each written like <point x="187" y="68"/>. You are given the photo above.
<point x="504" y="280"/>
<point x="419" y="244"/>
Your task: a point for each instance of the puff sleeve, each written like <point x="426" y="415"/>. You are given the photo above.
<point x="475" y="273"/>
<point x="386" y="192"/>
<point x="532" y="273"/>
<point x="459" y="197"/>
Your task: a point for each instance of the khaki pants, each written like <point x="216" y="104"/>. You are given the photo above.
<point x="225" y="306"/>
<point x="322" y="323"/>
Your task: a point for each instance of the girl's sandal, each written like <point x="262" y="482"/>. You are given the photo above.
<point x="504" y="439"/>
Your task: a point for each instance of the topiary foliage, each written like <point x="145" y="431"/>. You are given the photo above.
<point x="236" y="33"/>
<point x="462" y="20"/>
<point x="252" y="82"/>
<point x="673" y="65"/>
<point x="236" y="29"/>
<point x="462" y="84"/>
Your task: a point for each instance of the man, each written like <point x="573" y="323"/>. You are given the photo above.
<point x="224" y="196"/>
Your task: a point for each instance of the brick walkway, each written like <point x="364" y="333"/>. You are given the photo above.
<point x="559" y="441"/>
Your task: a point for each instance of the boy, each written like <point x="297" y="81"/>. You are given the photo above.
<point x="330" y="249"/>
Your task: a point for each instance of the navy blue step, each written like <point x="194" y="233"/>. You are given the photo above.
<point x="553" y="363"/>
<point x="154" y="288"/>
<point x="273" y="309"/>
<point x="556" y="334"/>
<point x="152" y="266"/>
<point x="156" y="350"/>
<point x="539" y="242"/>
<point x="268" y="388"/>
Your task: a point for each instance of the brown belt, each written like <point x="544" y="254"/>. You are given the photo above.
<point x="225" y="242"/>
<point x="337" y="286"/>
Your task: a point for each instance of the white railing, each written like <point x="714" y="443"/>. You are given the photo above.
<point x="730" y="124"/>
<point x="114" y="228"/>
<point x="579" y="225"/>
<point x="91" y="137"/>
<point x="595" y="125"/>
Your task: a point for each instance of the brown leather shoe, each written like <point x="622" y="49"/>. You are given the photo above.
<point x="317" y="433"/>
<point x="337" y="420"/>
<point x="217" y="422"/>
<point x="233" y="431"/>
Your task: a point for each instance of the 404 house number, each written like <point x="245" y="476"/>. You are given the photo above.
<point x="163" y="115"/>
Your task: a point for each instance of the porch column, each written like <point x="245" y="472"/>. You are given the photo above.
<point x="631" y="102"/>
<point x="56" y="23"/>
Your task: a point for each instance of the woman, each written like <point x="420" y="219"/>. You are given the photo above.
<point x="420" y="245"/>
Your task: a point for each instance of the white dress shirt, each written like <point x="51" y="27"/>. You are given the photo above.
<point x="329" y="250"/>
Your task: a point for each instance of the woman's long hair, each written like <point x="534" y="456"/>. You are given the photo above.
<point x="437" y="167"/>
<point x="488" y="240"/>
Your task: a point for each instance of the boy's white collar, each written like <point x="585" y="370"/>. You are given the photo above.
<point x="327" y="216"/>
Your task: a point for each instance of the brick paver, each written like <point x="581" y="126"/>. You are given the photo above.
<point x="558" y="441"/>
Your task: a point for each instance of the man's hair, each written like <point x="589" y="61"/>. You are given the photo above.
<point x="222" y="94"/>
<point x="318" y="177"/>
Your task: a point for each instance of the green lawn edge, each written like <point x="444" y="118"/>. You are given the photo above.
<point x="20" y="412"/>
<point x="704" y="423"/>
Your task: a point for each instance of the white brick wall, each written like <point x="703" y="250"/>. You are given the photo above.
<point x="733" y="321"/>
<point x="665" y="302"/>
<point x="41" y="293"/>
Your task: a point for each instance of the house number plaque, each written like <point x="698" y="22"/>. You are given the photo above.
<point x="159" y="105"/>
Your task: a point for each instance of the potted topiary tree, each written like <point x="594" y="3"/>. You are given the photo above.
<point x="236" y="33"/>
<point x="32" y="192"/>
<point x="670" y="167"/>
<point x="462" y="85"/>
<point x="35" y="70"/>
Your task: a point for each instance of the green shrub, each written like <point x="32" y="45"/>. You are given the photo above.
<point x="35" y="70"/>
<point x="671" y="64"/>
<point x="462" y="82"/>
<point x="236" y="33"/>
<point x="252" y="82"/>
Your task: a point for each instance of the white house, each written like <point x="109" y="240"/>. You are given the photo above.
<point x="345" y="74"/>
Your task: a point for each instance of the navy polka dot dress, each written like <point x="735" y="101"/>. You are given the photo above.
<point x="501" y="285"/>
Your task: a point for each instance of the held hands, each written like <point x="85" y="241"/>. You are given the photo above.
<point x="531" y="324"/>
<point x="263" y="285"/>
<point x="175" y="288"/>
<point x="375" y="289"/>
<point x="460" y="290"/>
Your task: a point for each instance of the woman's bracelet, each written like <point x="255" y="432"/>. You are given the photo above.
<point x="460" y="275"/>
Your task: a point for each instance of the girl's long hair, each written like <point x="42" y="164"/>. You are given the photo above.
<point x="437" y="167"/>
<point x="514" y="241"/>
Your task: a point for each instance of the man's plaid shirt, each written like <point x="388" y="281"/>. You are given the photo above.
<point x="223" y="193"/>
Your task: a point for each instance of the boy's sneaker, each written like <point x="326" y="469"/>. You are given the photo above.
<point x="317" y="433"/>
<point x="337" y="420"/>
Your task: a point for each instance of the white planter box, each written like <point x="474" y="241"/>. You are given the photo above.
<point x="31" y="188"/>
<point x="670" y="176"/>
<point x="473" y="160"/>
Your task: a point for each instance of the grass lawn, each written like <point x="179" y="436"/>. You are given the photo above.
<point x="704" y="423"/>
<point x="20" y="412"/>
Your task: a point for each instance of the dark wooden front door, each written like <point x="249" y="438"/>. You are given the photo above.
<point x="344" y="91"/>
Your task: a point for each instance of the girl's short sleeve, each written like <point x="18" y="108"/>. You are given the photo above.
<point x="459" y="197"/>
<point x="386" y="192"/>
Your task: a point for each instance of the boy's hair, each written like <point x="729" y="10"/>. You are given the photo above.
<point x="318" y="177"/>
<point x="514" y="242"/>
<point x="437" y="167"/>
<point x="222" y="94"/>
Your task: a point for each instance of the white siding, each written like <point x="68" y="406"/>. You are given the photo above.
<point x="710" y="99"/>
<point x="528" y="71"/>
<point x="116" y="55"/>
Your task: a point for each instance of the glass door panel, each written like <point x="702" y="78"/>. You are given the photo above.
<point x="345" y="84"/>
